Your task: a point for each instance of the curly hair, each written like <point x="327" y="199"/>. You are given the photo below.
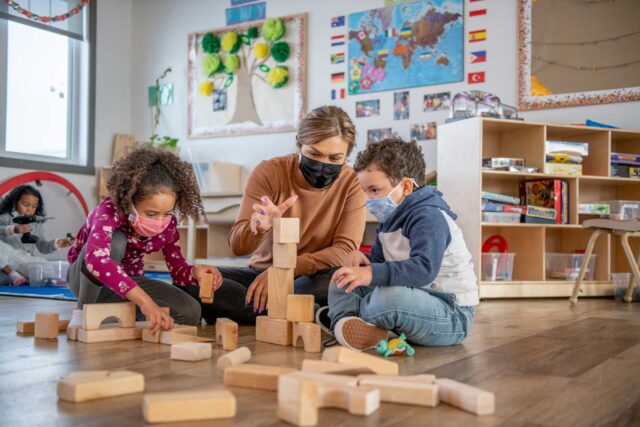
<point x="10" y="201"/>
<point x="147" y="171"/>
<point x="395" y="157"/>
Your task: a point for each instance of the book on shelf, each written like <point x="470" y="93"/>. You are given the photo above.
<point x="489" y="206"/>
<point x="564" y="158"/>
<point x="538" y="215"/>
<point x="520" y="169"/>
<point x="499" y="162"/>
<point x="563" y="169"/>
<point x="625" y="171"/>
<point x="567" y="147"/>
<point x="594" y="209"/>
<point x="625" y="159"/>
<point x="547" y="193"/>
<point x="500" y="198"/>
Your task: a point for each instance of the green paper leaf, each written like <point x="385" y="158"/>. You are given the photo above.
<point x="245" y="39"/>
<point x="229" y="81"/>
<point x="264" y="68"/>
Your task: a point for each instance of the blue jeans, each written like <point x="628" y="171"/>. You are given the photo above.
<point x="426" y="317"/>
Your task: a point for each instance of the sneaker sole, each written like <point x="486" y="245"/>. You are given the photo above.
<point x="362" y="336"/>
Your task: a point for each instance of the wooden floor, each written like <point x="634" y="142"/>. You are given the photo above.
<point x="548" y="364"/>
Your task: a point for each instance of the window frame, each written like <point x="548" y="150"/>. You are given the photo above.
<point x="87" y="124"/>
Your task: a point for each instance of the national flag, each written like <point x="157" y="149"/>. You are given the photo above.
<point x="477" y="36"/>
<point x="405" y="31"/>
<point x="337" y="21"/>
<point x="337" y="44"/>
<point x="478" y="12"/>
<point x="390" y="32"/>
<point x="337" y="77"/>
<point x="479" y="56"/>
<point x="337" y="58"/>
<point x="424" y="56"/>
<point x="337" y="40"/>
<point x="337" y="37"/>
<point x="477" y="77"/>
<point x="362" y="35"/>
<point x="383" y="53"/>
<point x="333" y="94"/>
<point x="342" y="92"/>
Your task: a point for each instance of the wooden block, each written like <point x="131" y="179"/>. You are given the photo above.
<point x="273" y="331"/>
<point x="235" y="358"/>
<point x="322" y="367"/>
<point x="180" y="333"/>
<point x="103" y="177"/>
<point x="46" y="325"/>
<point x="376" y="364"/>
<point x="206" y="288"/>
<point x="250" y="375"/>
<point x="123" y="144"/>
<point x="300" y="308"/>
<point x="226" y="333"/>
<point x="188" y="406"/>
<point x="404" y="390"/>
<point x="464" y="396"/>
<point x="176" y="337"/>
<point x="94" y="314"/>
<point x="307" y="335"/>
<point x="29" y="328"/>
<point x="91" y="385"/>
<point x="191" y="351"/>
<point x="297" y="401"/>
<point x="280" y="286"/>
<point x="285" y="255"/>
<point x="72" y="333"/>
<point x="111" y="332"/>
<point x="286" y="230"/>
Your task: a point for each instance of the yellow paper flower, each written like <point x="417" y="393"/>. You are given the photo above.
<point x="206" y="88"/>
<point x="230" y="42"/>
<point x="277" y="76"/>
<point x="261" y="50"/>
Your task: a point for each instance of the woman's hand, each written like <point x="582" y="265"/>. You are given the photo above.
<point x="263" y="213"/>
<point x="158" y="318"/>
<point x="199" y="270"/>
<point x="352" y="277"/>
<point x="355" y="259"/>
<point x="64" y="243"/>
<point x="258" y="292"/>
<point x="22" y="228"/>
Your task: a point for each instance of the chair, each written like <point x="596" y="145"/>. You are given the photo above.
<point x="624" y="229"/>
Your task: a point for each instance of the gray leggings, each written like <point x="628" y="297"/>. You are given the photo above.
<point x="184" y="309"/>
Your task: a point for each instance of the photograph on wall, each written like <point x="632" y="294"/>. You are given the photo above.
<point x="401" y="105"/>
<point x="424" y="131"/>
<point x="260" y="67"/>
<point x="368" y="108"/>
<point x="406" y="45"/>
<point x="375" y="135"/>
<point x="437" y="101"/>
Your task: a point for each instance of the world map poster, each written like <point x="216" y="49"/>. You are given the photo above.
<point x="406" y="45"/>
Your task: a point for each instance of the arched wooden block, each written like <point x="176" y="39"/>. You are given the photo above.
<point x="307" y="335"/>
<point x="94" y="314"/>
<point x="226" y="333"/>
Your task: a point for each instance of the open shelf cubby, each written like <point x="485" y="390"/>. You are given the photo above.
<point x="463" y="145"/>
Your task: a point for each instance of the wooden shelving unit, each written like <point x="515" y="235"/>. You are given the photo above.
<point x="461" y="147"/>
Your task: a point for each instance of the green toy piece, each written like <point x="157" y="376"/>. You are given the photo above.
<point x="395" y="347"/>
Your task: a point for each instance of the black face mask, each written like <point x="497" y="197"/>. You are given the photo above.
<point x="318" y="174"/>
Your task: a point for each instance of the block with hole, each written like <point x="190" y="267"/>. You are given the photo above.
<point x="226" y="333"/>
<point x="94" y="314"/>
<point x="306" y="335"/>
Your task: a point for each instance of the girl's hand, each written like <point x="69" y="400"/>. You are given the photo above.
<point x="22" y="228"/>
<point x="263" y="214"/>
<point x="355" y="259"/>
<point x="352" y="277"/>
<point x="64" y="243"/>
<point x="258" y="291"/>
<point x="159" y="319"/>
<point x="199" y="270"/>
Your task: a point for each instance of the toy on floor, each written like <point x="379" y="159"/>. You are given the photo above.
<point x="395" y="347"/>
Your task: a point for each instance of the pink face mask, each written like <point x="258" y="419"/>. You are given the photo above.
<point x="148" y="227"/>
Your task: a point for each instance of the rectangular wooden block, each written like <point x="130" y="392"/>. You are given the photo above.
<point x="286" y="230"/>
<point x="191" y="351"/>
<point x="273" y="331"/>
<point x="90" y="385"/>
<point x="72" y="333"/>
<point x="46" y="325"/>
<point x="226" y="333"/>
<point x="376" y="364"/>
<point x="111" y="332"/>
<point x="285" y="255"/>
<point x="322" y="367"/>
<point x="250" y="375"/>
<point x="464" y="396"/>
<point x="404" y="390"/>
<point x="307" y="335"/>
<point x="206" y="288"/>
<point x="180" y="333"/>
<point x="297" y="400"/>
<point x="29" y="328"/>
<point x="280" y="286"/>
<point x="300" y="308"/>
<point x="95" y="314"/>
<point x="188" y="406"/>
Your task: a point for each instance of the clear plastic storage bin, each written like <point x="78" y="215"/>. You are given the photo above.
<point x="567" y="266"/>
<point x="50" y="273"/>
<point x="497" y="266"/>
<point x="501" y="217"/>
<point x="624" y="209"/>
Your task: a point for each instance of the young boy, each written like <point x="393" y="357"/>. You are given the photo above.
<point x="419" y="279"/>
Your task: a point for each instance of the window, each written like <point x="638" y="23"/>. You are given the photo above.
<point x="46" y="89"/>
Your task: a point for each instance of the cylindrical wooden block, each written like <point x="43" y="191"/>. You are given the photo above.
<point x="235" y="358"/>
<point x="47" y="325"/>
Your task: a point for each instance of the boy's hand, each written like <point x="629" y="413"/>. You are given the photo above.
<point x="352" y="277"/>
<point x="199" y="270"/>
<point x="258" y="291"/>
<point x="355" y="259"/>
<point x="263" y="214"/>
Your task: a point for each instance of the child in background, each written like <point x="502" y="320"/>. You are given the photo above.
<point x="419" y="279"/>
<point x="148" y="188"/>
<point x="24" y="200"/>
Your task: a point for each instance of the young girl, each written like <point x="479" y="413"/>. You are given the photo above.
<point x="24" y="200"/>
<point x="148" y="188"/>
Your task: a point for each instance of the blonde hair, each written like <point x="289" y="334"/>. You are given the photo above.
<point x="326" y="122"/>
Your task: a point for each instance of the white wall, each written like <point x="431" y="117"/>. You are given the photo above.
<point x="160" y="39"/>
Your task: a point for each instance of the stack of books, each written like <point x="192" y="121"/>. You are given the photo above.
<point x="547" y="201"/>
<point x="625" y="165"/>
<point x="500" y="208"/>
<point x="507" y="164"/>
<point x="565" y="157"/>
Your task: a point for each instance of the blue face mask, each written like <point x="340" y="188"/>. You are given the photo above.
<point x="383" y="207"/>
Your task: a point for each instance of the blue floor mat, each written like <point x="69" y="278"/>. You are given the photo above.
<point x="46" y="292"/>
